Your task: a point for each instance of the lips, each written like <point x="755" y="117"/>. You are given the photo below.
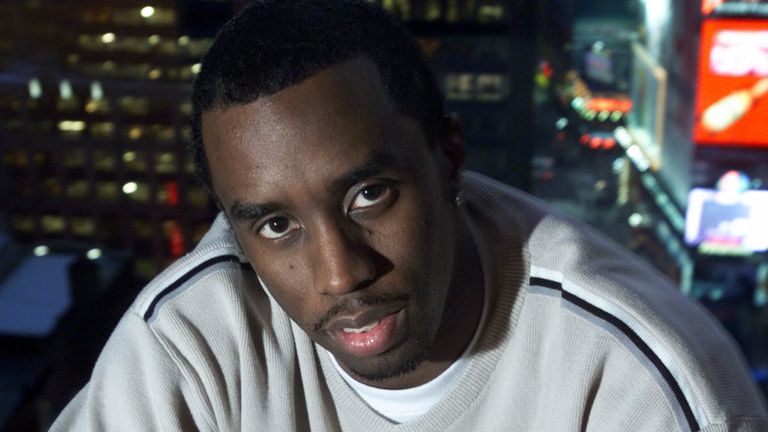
<point x="370" y="331"/>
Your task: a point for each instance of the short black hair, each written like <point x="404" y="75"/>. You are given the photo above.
<point x="274" y="44"/>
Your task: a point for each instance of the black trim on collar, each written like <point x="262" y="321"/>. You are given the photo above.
<point x="629" y="333"/>
<point x="187" y="276"/>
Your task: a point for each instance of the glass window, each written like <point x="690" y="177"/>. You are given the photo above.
<point x="136" y="132"/>
<point x="71" y="128"/>
<point x="197" y="197"/>
<point x="104" y="160"/>
<point x="189" y="165"/>
<point x="41" y="126"/>
<point x="145" y="268"/>
<point x="163" y="133"/>
<point x="53" y="224"/>
<point x="74" y="158"/>
<point x="101" y="106"/>
<point x="82" y="226"/>
<point x="166" y="163"/>
<point x="136" y="191"/>
<point x="107" y="191"/>
<point x="16" y="158"/>
<point x="135" y="161"/>
<point x="77" y="189"/>
<point x="23" y="223"/>
<point x="51" y="187"/>
<point x="102" y="129"/>
<point x="142" y="229"/>
<point x="132" y="105"/>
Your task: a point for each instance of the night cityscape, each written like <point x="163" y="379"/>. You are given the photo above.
<point x="644" y="118"/>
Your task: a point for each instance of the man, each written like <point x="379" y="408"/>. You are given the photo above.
<point x="356" y="279"/>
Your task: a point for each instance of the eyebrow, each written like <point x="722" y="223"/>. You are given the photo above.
<point x="377" y="162"/>
<point x="241" y="211"/>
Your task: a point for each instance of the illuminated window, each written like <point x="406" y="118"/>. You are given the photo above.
<point x="16" y="158"/>
<point x="197" y="197"/>
<point x="135" y="161"/>
<point x="147" y="11"/>
<point x="186" y="108"/>
<point x="97" y="106"/>
<point x="41" y="126"/>
<point x="136" y="191"/>
<point x="51" y="187"/>
<point x="53" y="224"/>
<point x="163" y="133"/>
<point x="71" y="128"/>
<point x="189" y="165"/>
<point x="77" y="189"/>
<point x="107" y="191"/>
<point x="166" y="163"/>
<point x="186" y="133"/>
<point x="104" y="160"/>
<point x="145" y="268"/>
<point x="74" y="158"/>
<point x="102" y="129"/>
<point x="97" y="15"/>
<point x="82" y="226"/>
<point x="132" y="105"/>
<point x="141" y="229"/>
<point x="108" y="38"/>
<point x="198" y="47"/>
<point x="22" y="223"/>
<point x="136" y="132"/>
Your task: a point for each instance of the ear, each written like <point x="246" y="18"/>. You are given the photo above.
<point x="451" y="143"/>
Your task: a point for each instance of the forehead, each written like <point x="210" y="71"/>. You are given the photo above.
<point x="309" y="131"/>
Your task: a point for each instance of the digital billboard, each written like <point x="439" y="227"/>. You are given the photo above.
<point x="723" y="223"/>
<point x="732" y="91"/>
<point x="734" y="7"/>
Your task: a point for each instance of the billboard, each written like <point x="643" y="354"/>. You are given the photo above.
<point x="732" y="90"/>
<point x="722" y="223"/>
<point x="734" y="7"/>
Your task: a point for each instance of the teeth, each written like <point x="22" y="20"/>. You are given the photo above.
<point x="361" y="329"/>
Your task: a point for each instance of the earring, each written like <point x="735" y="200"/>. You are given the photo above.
<point x="458" y="200"/>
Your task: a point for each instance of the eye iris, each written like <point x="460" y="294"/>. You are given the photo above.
<point x="278" y="225"/>
<point x="372" y="192"/>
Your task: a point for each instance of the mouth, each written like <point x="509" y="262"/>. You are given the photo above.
<point x="370" y="332"/>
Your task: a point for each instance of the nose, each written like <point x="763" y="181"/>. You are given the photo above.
<point x="342" y="261"/>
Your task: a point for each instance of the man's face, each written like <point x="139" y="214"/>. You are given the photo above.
<point x="345" y="213"/>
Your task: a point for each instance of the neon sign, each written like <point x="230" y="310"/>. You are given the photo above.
<point x="732" y="94"/>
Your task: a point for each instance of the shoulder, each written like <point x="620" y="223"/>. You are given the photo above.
<point x="577" y="272"/>
<point x="216" y="266"/>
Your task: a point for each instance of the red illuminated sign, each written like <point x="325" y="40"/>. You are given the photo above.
<point x="732" y="96"/>
<point x="734" y="7"/>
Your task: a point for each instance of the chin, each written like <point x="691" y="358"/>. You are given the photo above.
<point x="396" y="363"/>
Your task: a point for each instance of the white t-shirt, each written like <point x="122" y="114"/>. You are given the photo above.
<point x="405" y="405"/>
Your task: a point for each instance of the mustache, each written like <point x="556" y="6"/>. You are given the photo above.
<point x="367" y="300"/>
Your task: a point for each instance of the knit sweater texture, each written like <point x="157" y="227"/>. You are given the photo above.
<point x="580" y="336"/>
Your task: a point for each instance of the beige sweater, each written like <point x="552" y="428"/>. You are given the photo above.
<point x="580" y="337"/>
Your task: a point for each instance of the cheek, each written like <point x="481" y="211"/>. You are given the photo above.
<point x="286" y="280"/>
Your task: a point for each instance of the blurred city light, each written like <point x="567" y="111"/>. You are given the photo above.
<point x="41" y="250"/>
<point x="147" y="11"/>
<point x="93" y="254"/>
<point x="130" y="188"/>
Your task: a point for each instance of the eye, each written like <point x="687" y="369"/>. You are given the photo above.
<point x="278" y="227"/>
<point x="370" y="196"/>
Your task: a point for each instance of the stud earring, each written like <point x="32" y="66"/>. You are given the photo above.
<point x="458" y="200"/>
